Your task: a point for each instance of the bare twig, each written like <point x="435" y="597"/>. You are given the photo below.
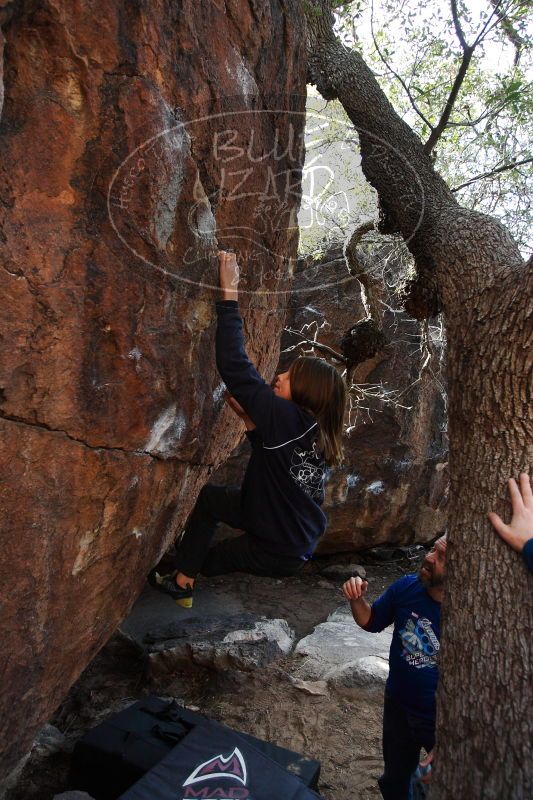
<point x="437" y="131"/>
<point x="491" y="173"/>
<point x="397" y="75"/>
<point x="510" y="31"/>
<point x="489" y="113"/>
<point x="322" y="347"/>
<point x="486" y="29"/>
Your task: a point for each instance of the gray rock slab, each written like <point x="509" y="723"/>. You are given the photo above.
<point x="343" y="654"/>
<point x="236" y="643"/>
<point x="155" y="608"/>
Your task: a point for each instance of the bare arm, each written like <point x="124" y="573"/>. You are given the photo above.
<point x="354" y="590"/>
<point x="239" y="410"/>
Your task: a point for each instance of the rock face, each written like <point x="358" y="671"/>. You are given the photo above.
<point x="393" y="485"/>
<point x="119" y="122"/>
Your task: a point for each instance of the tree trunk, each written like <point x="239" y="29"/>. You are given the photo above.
<point x="484" y="721"/>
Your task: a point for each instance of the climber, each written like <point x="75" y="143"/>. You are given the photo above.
<point x="295" y="429"/>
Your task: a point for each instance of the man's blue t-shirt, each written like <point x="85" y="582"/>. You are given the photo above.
<point x="413" y="673"/>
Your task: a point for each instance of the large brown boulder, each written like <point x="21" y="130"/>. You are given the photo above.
<point x="111" y="179"/>
<point x="392" y="488"/>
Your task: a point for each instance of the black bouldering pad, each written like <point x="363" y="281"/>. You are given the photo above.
<point x="213" y="762"/>
<point x="112" y="757"/>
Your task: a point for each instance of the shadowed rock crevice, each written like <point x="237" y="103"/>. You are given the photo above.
<point x="98" y="446"/>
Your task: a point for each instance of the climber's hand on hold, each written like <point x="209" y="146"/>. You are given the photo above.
<point x="228" y="273"/>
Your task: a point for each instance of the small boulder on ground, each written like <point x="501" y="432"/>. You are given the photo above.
<point x="343" y="654"/>
<point x="366" y="671"/>
<point x="50" y="740"/>
<point x="313" y="688"/>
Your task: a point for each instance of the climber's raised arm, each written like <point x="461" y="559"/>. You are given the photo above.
<point x="242" y="379"/>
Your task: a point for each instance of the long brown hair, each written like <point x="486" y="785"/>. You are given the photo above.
<point x="320" y="389"/>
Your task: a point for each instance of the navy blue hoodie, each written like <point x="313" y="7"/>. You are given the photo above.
<point x="283" y="487"/>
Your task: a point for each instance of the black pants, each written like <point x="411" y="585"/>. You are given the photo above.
<point x="404" y="735"/>
<point x="240" y="554"/>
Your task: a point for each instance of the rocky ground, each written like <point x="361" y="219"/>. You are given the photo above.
<point x="313" y="687"/>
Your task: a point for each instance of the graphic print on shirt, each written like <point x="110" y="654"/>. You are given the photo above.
<point x="420" y="644"/>
<point x="308" y="470"/>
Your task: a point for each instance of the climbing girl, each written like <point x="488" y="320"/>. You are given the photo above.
<point x="295" y="430"/>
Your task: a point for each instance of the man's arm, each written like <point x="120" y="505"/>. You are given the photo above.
<point x="354" y="590"/>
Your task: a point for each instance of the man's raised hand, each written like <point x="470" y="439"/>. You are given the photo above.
<point x="354" y="588"/>
<point x="520" y="529"/>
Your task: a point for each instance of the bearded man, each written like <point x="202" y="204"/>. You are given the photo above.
<point x="413" y="605"/>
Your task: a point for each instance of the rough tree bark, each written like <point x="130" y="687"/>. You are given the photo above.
<point x="473" y="268"/>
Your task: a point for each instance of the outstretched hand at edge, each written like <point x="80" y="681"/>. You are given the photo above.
<point x="520" y="529"/>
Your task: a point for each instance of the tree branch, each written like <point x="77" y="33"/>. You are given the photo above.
<point x="511" y="32"/>
<point x="392" y="155"/>
<point x="437" y="131"/>
<point x="487" y="114"/>
<point x="468" y="51"/>
<point x="485" y="29"/>
<point x="457" y="25"/>
<point x="322" y="347"/>
<point x="503" y="168"/>
<point x="396" y="74"/>
<point x="414" y="199"/>
<point x="358" y="266"/>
